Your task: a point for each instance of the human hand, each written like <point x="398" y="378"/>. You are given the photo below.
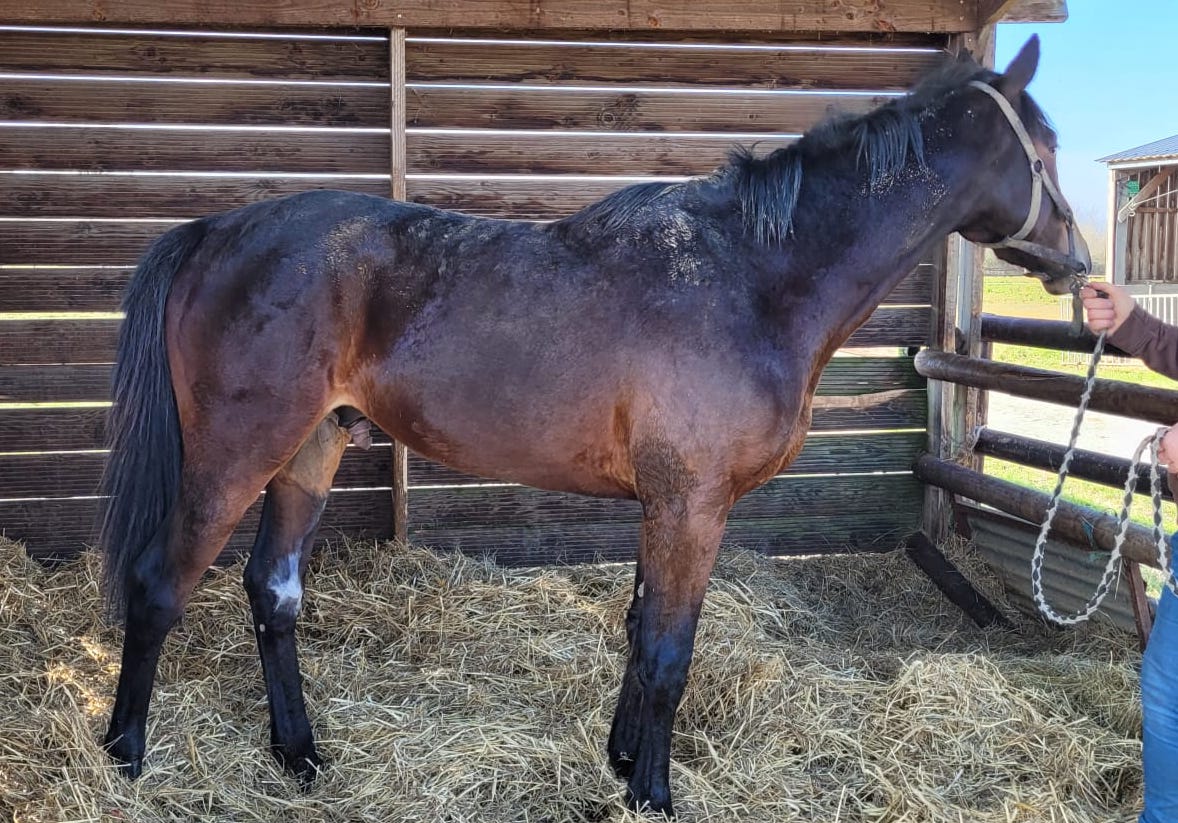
<point x="1108" y="312"/>
<point x="1168" y="448"/>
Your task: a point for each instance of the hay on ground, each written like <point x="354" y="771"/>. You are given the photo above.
<point x="446" y="689"/>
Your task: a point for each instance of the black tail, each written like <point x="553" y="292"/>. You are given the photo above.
<point x="142" y="475"/>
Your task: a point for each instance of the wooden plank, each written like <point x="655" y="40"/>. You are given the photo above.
<point x="746" y="15"/>
<point x="519" y="506"/>
<point x="480" y="153"/>
<point x="175" y="196"/>
<point x="877" y="531"/>
<point x="883" y="452"/>
<point x="196" y="54"/>
<point x="627" y="110"/>
<point x="75" y="243"/>
<point x="78" y="474"/>
<point x="63" y="527"/>
<point x="268" y="153"/>
<point x="1113" y="396"/>
<point x="47" y="384"/>
<point x="60" y="290"/>
<point x="84" y="100"/>
<point x="24" y="430"/>
<point x="548" y="63"/>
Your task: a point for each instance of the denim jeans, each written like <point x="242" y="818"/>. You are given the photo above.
<point x="1159" y="705"/>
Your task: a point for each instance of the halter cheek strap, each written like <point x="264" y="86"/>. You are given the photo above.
<point x="1040" y="180"/>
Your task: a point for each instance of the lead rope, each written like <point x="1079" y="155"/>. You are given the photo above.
<point x="1161" y="545"/>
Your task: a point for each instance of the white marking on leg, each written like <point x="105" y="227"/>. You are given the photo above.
<point x="642" y="589"/>
<point x="286" y="586"/>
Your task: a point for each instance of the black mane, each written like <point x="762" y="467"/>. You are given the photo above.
<point x="885" y="140"/>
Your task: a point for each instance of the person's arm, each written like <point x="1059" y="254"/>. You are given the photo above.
<point x="1131" y="328"/>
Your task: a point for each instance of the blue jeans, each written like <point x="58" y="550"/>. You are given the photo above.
<point x="1159" y="706"/>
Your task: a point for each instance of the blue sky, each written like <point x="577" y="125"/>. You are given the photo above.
<point x="1108" y="79"/>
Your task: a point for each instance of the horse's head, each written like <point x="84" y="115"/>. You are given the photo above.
<point x="1023" y="215"/>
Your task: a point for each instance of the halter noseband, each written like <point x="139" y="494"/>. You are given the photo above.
<point x="1040" y="180"/>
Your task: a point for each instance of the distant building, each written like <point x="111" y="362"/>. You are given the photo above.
<point x="1143" y="215"/>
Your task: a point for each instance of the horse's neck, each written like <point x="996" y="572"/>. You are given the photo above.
<point x="883" y="237"/>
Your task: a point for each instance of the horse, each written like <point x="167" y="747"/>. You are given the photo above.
<point x="662" y="345"/>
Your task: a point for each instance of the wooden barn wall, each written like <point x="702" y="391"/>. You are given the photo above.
<point x="1151" y="238"/>
<point x="107" y="138"/>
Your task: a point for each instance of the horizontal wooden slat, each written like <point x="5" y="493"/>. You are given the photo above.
<point x="752" y="15"/>
<point x="483" y="507"/>
<point x="806" y="516"/>
<point x="47" y="384"/>
<point x="585" y="64"/>
<point x="480" y="153"/>
<point x="60" y="290"/>
<point x="625" y="111"/>
<point x="78" y="474"/>
<point x="93" y="341"/>
<point x="884" y="452"/>
<point x="63" y="527"/>
<point x="76" y="243"/>
<point x="266" y="152"/>
<point x="101" y="52"/>
<point x="25" y="430"/>
<point x="129" y="101"/>
<point x="175" y="196"/>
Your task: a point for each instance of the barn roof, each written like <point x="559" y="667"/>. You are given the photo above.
<point x="1165" y="148"/>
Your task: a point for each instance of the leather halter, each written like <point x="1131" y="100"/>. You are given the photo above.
<point x="1040" y="180"/>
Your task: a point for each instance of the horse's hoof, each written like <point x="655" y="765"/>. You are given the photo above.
<point x="304" y="767"/>
<point x="650" y="806"/>
<point x="128" y="761"/>
<point x="622" y="764"/>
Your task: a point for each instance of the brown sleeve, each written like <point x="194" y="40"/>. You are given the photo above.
<point x="1143" y="335"/>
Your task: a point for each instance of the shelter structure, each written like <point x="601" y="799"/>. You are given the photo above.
<point x="1143" y="215"/>
<point x="121" y="118"/>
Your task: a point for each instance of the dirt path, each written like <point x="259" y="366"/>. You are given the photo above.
<point x="1108" y="433"/>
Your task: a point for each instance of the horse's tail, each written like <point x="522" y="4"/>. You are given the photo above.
<point x="142" y="475"/>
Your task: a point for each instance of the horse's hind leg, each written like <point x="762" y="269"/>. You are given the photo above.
<point x="294" y="501"/>
<point x="159" y="582"/>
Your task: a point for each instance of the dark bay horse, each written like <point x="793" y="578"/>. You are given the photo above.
<point x="662" y="344"/>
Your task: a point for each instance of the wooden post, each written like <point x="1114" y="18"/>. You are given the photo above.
<point x="1141" y="614"/>
<point x="397" y="172"/>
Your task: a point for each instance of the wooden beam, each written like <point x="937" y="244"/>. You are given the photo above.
<point x="1032" y="11"/>
<point x="952" y="583"/>
<point x="1113" y="396"/>
<point x="397" y="168"/>
<point x="1043" y="334"/>
<point x="1081" y="526"/>
<point x="1126" y="211"/>
<point x="642" y="15"/>
<point x="1085" y="465"/>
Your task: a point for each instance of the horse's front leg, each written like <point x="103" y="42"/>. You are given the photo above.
<point x="680" y="537"/>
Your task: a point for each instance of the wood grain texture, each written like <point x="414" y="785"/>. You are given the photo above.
<point x="628" y="110"/>
<point x="269" y="153"/>
<point x="206" y="56"/>
<point x="743" y="15"/>
<point x="60" y="290"/>
<point x="211" y="104"/>
<point x="75" y="243"/>
<point x="633" y="64"/>
<point x="609" y="154"/>
<point x="173" y="196"/>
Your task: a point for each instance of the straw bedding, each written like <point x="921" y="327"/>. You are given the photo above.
<point x="443" y="688"/>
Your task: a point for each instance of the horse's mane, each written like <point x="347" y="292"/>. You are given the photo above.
<point x="768" y="187"/>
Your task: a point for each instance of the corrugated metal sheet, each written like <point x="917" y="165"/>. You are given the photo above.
<point x="1070" y="576"/>
<point x="1166" y="147"/>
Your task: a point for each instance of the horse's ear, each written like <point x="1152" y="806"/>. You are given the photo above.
<point x="1021" y="70"/>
